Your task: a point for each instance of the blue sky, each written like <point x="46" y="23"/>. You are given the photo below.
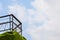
<point x="40" y="18"/>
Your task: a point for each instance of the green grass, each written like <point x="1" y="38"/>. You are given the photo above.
<point x="11" y="36"/>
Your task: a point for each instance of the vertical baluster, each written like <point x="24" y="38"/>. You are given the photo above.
<point x="10" y="22"/>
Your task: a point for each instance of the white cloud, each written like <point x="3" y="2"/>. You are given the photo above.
<point x="35" y="17"/>
<point x="50" y="30"/>
<point x="40" y="5"/>
<point x="18" y="10"/>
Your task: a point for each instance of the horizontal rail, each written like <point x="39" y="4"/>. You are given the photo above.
<point x="4" y="23"/>
<point x="14" y="23"/>
<point x="8" y="22"/>
<point x="5" y="30"/>
<point x="4" y="16"/>
<point x="10" y="15"/>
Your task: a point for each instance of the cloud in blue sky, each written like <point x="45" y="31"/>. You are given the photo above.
<point x="50" y="30"/>
<point x="40" y="18"/>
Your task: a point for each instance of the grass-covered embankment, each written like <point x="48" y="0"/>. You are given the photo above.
<point x="11" y="36"/>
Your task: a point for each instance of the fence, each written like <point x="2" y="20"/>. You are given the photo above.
<point x="10" y="23"/>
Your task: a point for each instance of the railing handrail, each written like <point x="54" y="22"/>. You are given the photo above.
<point x="12" y="16"/>
<point x="11" y="20"/>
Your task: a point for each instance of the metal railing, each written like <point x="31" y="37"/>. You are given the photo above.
<point x="10" y="22"/>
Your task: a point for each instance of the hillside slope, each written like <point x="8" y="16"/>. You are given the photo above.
<point x="11" y="36"/>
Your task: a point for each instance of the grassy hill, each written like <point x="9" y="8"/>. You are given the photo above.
<point x="11" y="36"/>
